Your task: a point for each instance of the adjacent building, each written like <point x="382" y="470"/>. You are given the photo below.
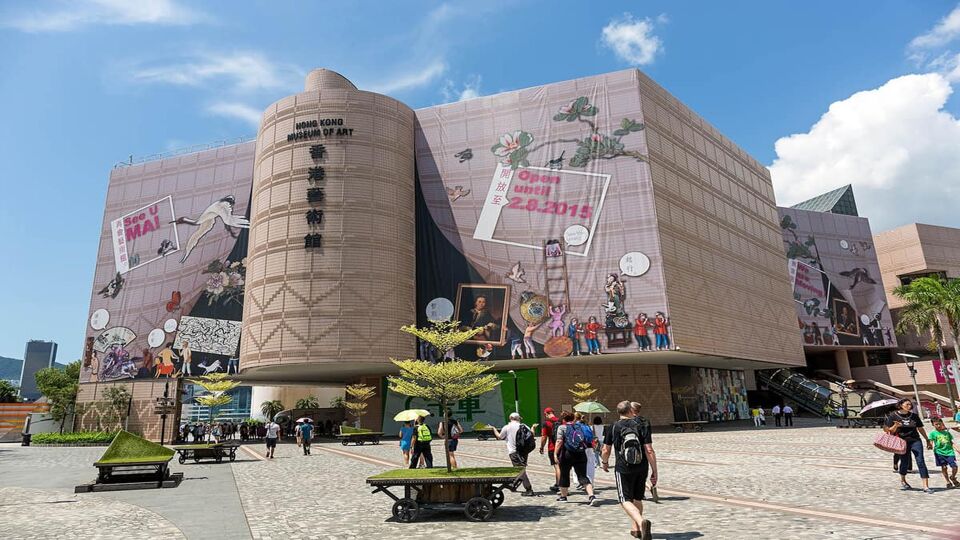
<point x="36" y="356"/>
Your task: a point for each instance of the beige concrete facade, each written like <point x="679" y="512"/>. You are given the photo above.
<point x="726" y="281"/>
<point x="336" y="310"/>
<point x="141" y="420"/>
<point x="916" y="249"/>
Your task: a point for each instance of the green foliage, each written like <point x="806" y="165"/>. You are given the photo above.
<point x="60" y="386"/>
<point x="217" y="385"/>
<point x="79" y="437"/>
<point x="129" y="448"/>
<point x="309" y="402"/>
<point x="582" y="392"/>
<point x="472" y="472"/>
<point x="358" y="395"/>
<point x="513" y="148"/>
<point x="575" y="110"/>
<point x="628" y="126"/>
<point x="271" y="408"/>
<point x="348" y="430"/>
<point x="443" y="335"/>
<point x="9" y="392"/>
<point x="115" y="405"/>
<point x="337" y="403"/>
<point x="253" y="422"/>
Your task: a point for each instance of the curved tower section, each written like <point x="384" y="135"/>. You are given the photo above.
<point x="330" y="267"/>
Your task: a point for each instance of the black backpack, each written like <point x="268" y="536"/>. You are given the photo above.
<point x="631" y="441"/>
<point x="524" y="440"/>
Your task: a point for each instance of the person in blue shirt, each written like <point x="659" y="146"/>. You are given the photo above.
<point x="306" y="432"/>
<point x="406" y="436"/>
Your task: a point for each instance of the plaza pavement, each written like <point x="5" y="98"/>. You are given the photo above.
<point x="810" y="482"/>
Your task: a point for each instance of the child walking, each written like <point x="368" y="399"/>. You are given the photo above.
<point x="943" y="451"/>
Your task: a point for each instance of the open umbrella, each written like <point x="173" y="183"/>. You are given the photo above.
<point x="590" y="407"/>
<point x="410" y="415"/>
<point x="305" y="419"/>
<point x="877" y="407"/>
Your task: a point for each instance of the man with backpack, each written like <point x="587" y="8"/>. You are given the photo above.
<point x="421" y="444"/>
<point x="630" y="438"/>
<point x="573" y="441"/>
<point x="520" y="442"/>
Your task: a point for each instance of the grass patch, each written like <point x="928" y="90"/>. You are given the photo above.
<point x="194" y="446"/>
<point x="79" y="437"/>
<point x="472" y="472"/>
<point x="129" y="448"/>
<point x="347" y="430"/>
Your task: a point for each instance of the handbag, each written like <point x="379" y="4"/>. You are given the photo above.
<point x="890" y="443"/>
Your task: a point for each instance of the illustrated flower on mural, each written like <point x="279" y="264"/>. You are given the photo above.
<point x="512" y="148"/>
<point x="226" y="281"/>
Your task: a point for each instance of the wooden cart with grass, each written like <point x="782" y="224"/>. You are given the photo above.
<point x="215" y="451"/>
<point x="358" y="436"/>
<point x="475" y="491"/>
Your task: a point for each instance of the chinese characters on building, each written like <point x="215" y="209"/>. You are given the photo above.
<point x="315" y="196"/>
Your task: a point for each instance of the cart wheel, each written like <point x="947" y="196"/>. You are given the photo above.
<point x="496" y="498"/>
<point x="233" y="457"/>
<point x="361" y="443"/>
<point x="478" y="509"/>
<point x="406" y="510"/>
<point x="376" y="441"/>
<point x="181" y="459"/>
<point x="343" y="442"/>
<point x="679" y="429"/>
<point x="698" y="428"/>
<point x="196" y="460"/>
<point x="219" y="459"/>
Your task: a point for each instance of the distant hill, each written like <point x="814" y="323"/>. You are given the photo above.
<point x="10" y="368"/>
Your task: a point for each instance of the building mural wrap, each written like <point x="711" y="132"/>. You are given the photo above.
<point x="536" y="221"/>
<point x="839" y="297"/>
<point x="168" y="290"/>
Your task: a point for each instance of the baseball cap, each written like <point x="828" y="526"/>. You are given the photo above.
<point x="548" y="410"/>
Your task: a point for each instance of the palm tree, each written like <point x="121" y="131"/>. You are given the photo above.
<point x="309" y="402"/>
<point x="271" y="408"/>
<point x="928" y="299"/>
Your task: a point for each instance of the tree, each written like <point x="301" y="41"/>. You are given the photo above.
<point x="337" y="403"/>
<point x="116" y="402"/>
<point x="60" y="386"/>
<point x="582" y="392"/>
<point x="929" y="300"/>
<point x="218" y="387"/>
<point x="360" y="393"/>
<point x="444" y="382"/>
<point x="271" y="408"/>
<point x="309" y="402"/>
<point x="9" y="392"/>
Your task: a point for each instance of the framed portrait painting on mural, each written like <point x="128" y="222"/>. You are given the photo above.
<point x="484" y="306"/>
<point x="845" y="318"/>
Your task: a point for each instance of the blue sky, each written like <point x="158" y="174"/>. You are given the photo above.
<point x="828" y="93"/>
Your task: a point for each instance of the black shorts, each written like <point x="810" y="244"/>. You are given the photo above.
<point x="452" y="444"/>
<point x="518" y="460"/>
<point x="632" y="486"/>
<point x="578" y="464"/>
<point x="306" y="442"/>
<point x="553" y="457"/>
<point x="271" y="442"/>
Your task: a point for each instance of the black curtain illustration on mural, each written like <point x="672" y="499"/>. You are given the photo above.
<point x="441" y="268"/>
<point x="222" y="300"/>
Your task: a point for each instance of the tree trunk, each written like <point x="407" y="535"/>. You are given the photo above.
<point x="446" y="433"/>
<point x="956" y="381"/>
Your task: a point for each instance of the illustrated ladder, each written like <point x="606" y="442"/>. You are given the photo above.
<point x="555" y="272"/>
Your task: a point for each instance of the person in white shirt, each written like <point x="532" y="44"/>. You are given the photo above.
<point x="273" y="434"/>
<point x="788" y="416"/>
<point x="518" y="459"/>
<point x="777" y="415"/>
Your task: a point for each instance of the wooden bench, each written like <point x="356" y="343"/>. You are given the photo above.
<point x="216" y="451"/>
<point x="691" y="425"/>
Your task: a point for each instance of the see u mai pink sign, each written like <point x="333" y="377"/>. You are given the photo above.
<point x="943" y="371"/>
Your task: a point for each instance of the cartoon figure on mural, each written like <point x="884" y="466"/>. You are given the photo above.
<point x="641" y="331"/>
<point x="616" y="291"/>
<point x="186" y="356"/>
<point x="222" y="209"/>
<point x="590" y="333"/>
<point x="528" y="339"/>
<point x="516" y="343"/>
<point x="553" y="249"/>
<point x="516" y="273"/>
<point x="815" y="330"/>
<point x="480" y="317"/>
<point x="556" y="324"/>
<point x="661" y="331"/>
<point x="117" y="364"/>
<point x="574" y="330"/>
<point x="113" y="288"/>
<point x="163" y="363"/>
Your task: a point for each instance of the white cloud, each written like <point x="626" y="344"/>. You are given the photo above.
<point x="945" y="31"/>
<point x="240" y="71"/>
<point x="469" y="90"/>
<point x="633" y="40"/>
<point x="895" y="144"/>
<point x="410" y="80"/>
<point x="70" y="15"/>
<point x="236" y="110"/>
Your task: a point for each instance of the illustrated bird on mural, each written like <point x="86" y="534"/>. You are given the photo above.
<point x="858" y="275"/>
<point x="222" y="209"/>
<point x="113" y="288"/>
<point x="558" y="162"/>
<point x="516" y="273"/>
<point x="457" y="192"/>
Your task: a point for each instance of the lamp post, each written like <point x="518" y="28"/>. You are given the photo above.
<point x="516" y="392"/>
<point x="910" y="360"/>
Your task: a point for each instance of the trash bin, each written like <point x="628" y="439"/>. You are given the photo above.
<point x="26" y="439"/>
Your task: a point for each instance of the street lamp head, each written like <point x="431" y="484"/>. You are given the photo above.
<point x="513" y="372"/>
<point x="907" y="355"/>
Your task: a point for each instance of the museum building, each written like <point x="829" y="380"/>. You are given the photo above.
<point x="597" y="229"/>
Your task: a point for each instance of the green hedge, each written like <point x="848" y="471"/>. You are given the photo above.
<point x="80" y="437"/>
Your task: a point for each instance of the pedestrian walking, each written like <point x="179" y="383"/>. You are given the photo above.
<point x="591" y="452"/>
<point x="451" y="433"/>
<point x="907" y="425"/>
<point x="406" y="440"/>
<point x="944" y="452"/>
<point x="548" y="439"/>
<point x="573" y="441"/>
<point x="598" y="429"/>
<point x="306" y="436"/>
<point x="755" y="414"/>
<point x="777" y="415"/>
<point x="787" y="416"/>
<point x="763" y="416"/>
<point x="272" y="435"/>
<point x="520" y="443"/>
<point x="629" y="438"/>
<point x="421" y="444"/>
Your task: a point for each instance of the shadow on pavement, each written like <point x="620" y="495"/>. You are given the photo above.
<point x="504" y="514"/>
<point x="679" y="536"/>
